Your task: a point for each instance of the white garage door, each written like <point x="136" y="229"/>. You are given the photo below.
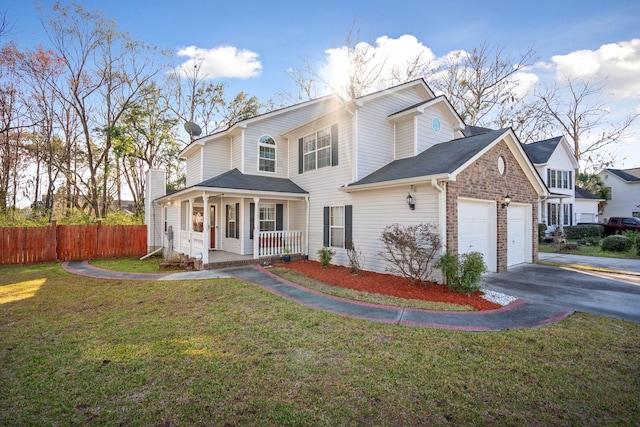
<point x="518" y="234"/>
<point x="477" y="230"/>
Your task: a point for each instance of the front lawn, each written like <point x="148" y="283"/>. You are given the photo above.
<point x="76" y="351"/>
<point x="588" y="250"/>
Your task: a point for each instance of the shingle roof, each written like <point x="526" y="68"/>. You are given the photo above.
<point x="581" y="193"/>
<point x="236" y="180"/>
<point x="540" y="152"/>
<point x="629" y="175"/>
<point x="442" y="158"/>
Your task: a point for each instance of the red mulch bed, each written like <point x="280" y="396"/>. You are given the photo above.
<point x="387" y="284"/>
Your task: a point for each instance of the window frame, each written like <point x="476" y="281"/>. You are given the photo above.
<point x="269" y="207"/>
<point x="262" y="144"/>
<point x="231" y="219"/>
<point x="334" y="228"/>
<point x="325" y="150"/>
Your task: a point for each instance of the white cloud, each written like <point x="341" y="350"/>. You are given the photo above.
<point x="617" y="63"/>
<point x="222" y="61"/>
<point x="388" y="53"/>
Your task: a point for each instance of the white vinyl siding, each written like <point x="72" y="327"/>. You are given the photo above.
<point x="405" y="139"/>
<point x="427" y="138"/>
<point x="376" y="133"/>
<point x="376" y="209"/>
<point x="217" y="158"/>
<point x="194" y="168"/>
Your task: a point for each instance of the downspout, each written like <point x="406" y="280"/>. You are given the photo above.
<point x="442" y="209"/>
<point x="307" y="226"/>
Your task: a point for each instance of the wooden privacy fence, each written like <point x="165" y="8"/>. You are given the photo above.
<point x="29" y="245"/>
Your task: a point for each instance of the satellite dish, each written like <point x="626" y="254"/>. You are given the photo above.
<point x="192" y="128"/>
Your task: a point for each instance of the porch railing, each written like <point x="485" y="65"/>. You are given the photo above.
<point x="191" y="242"/>
<point x="272" y="243"/>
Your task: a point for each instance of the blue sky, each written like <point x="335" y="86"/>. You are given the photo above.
<point x="264" y="39"/>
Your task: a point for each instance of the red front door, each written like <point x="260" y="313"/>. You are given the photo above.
<point x="212" y="226"/>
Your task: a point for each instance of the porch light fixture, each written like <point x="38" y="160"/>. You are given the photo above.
<point x="410" y="201"/>
<point x="507" y="200"/>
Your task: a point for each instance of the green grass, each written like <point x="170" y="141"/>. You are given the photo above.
<point x="149" y="265"/>
<point x="588" y="251"/>
<point x="77" y="351"/>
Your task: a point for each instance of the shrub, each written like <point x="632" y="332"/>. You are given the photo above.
<point x="356" y="260"/>
<point x="583" y="231"/>
<point x="634" y="236"/>
<point x="616" y="243"/>
<point x="462" y="272"/>
<point x="325" y="255"/>
<point x="411" y="250"/>
<point x="542" y="228"/>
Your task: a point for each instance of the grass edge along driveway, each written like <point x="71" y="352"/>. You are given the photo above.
<point x="84" y="351"/>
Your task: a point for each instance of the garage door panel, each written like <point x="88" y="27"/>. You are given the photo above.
<point x="476" y="229"/>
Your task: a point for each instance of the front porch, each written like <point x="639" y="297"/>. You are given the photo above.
<point x="220" y="229"/>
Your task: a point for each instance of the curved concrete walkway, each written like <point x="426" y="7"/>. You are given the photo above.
<point x="517" y="315"/>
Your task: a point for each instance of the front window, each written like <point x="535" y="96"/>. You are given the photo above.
<point x="566" y="215"/>
<point x="231" y="221"/>
<point x="560" y="179"/>
<point x="317" y="150"/>
<point x="267" y="156"/>
<point x="336" y="227"/>
<point x="268" y="217"/>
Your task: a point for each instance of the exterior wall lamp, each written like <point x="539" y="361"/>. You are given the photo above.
<point x="507" y="200"/>
<point x="410" y="201"/>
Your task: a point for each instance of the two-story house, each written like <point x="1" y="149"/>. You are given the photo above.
<point x="325" y="173"/>
<point x="567" y="204"/>
<point x="624" y="192"/>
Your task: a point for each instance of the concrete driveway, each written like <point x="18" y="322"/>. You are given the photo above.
<point x="571" y="286"/>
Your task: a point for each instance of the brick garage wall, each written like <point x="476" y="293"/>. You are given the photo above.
<point x="482" y="180"/>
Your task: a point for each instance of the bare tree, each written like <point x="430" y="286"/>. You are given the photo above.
<point x="105" y="72"/>
<point x="481" y="82"/>
<point x="367" y="70"/>
<point x="575" y="110"/>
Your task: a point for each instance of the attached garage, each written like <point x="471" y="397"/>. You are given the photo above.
<point x="477" y="229"/>
<point x="519" y="248"/>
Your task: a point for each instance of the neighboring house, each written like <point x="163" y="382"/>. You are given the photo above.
<point x="586" y="206"/>
<point x="567" y="204"/>
<point x="624" y="185"/>
<point x="325" y="173"/>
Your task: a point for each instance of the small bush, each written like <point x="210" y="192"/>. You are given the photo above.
<point x="356" y="259"/>
<point x="411" y="250"/>
<point x="568" y="247"/>
<point x="616" y="243"/>
<point x="634" y="236"/>
<point x="325" y="254"/>
<point x="542" y="228"/>
<point x="463" y="272"/>
<point x="583" y="231"/>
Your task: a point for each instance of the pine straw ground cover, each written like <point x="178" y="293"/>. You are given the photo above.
<point x="384" y="284"/>
<point x="81" y="351"/>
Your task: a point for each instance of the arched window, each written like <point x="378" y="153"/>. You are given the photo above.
<point x="267" y="154"/>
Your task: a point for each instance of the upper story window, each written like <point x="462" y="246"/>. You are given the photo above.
<point x="317" y="149"/>
<point x="559" y="179"/>
<point x="267" y="155"/>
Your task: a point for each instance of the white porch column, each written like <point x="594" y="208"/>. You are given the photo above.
<point x="256" y="227"/>
<point x="206" y="229"/>
<point x="306" y="231"/>
<point x="190" y="227"/>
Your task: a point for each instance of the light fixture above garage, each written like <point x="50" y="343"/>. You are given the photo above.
<point x="506" y="201"/>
